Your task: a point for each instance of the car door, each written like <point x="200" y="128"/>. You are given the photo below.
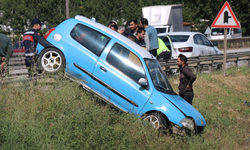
<point x="85" y="52"/>
<point x="200" y="49"/>
<point x="117" y="79"/>
<point x="167" y="40"/>
<point x="210" y="50"/>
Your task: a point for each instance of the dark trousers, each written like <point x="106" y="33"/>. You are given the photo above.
<point x="153" y="52"/>
<point x="188" y="98"/>
<point x="30" y="64"/>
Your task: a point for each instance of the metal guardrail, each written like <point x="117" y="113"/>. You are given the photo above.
<point x="233" y="43"/>
<point x="17" y="71"/>
<point x="198" y="63"/>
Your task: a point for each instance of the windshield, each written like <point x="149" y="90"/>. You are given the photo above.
<point x="158" y="77"/>
<point x="218" y="31"/>
<point x="161" y="30"/>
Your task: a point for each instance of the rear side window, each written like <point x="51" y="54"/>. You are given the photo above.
<point x="179" y="38"/>
<point x="127" y="62"/>
<point x="90" y="38"/>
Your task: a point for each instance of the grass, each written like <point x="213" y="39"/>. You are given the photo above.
<point x="60" y="115"/>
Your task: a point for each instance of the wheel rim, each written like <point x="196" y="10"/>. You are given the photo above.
<point x="51" y="61"/>
<point x="153" y="120"/>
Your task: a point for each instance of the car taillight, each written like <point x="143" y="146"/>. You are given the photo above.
<point x="48" y="33"/>
<point x="185" y="49"/>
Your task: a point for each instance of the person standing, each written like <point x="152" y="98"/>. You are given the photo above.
<point x="121" y="29"/>
<point x="30" y="41"/>
<point x="163" y="52"/>
<point x="140" y="37"/>
<point x="114" y="27"/>
<point x="6" y="50"/>
<point x="150" y="37"/>
<point x="134" y="27"/>
<point x="187" y="79"/>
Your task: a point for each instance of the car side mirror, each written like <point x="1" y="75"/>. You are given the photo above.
<point x="215" y="44"/>
<point x="143" y="82"/>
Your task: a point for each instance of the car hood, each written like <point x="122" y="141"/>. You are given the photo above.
<point x="187" y="109"/>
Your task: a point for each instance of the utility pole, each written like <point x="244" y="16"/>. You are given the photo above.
<point x="67" y="9"/>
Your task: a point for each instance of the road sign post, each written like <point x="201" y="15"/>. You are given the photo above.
<point x="225" y="52"/>
<point x="225" y="19"/>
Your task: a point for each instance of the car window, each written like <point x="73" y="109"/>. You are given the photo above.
<point x="218" y="31"/>
<point x="127" y="62"/>
<point x="167" y="42"/>
<point x="198" y="40"/>
<point x="236" y="30"/>
<point x="161" y="30"/>
<point x="205" y="40"/>
<point x="90" y="38"/>
<point x="179" y="38"/>
<point x="18" y="45"/>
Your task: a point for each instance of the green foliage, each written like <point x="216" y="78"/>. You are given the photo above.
<point x="19" y="13"/>
<point x="61" y="115"/>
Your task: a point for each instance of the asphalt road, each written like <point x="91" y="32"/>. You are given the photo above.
<point x="234" y="50"/>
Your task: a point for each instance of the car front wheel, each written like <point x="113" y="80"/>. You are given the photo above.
<point x="51" y="60"/>
<point x="157" y="120"/>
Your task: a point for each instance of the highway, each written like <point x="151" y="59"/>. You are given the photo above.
<point x="234" y="50"/>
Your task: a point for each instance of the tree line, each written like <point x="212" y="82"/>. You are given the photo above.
<point x="19" y="13"/>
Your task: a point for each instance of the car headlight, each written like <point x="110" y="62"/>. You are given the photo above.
<point x="188" y="123"/>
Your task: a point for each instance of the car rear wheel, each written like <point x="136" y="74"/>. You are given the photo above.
<point x="157" y="120"/>
<point x="51" y="60"/>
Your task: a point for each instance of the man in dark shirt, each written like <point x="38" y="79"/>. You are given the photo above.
<point x="30" y="40"/>
<point x="187" y="79"/>
<point x="134" y="27"/>
<point x="140" y="37"/>
<point x="6" y="50"/>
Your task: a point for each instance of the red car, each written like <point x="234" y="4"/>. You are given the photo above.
<point x="18" y="47"/>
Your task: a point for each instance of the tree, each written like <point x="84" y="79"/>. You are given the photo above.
<point x="19" y="13"/>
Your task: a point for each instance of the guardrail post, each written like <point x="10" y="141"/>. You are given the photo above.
<point x="195" y="69"/>
<point x="210" y="68"/>
<point x="236" y="62"/>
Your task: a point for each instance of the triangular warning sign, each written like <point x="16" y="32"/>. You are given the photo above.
<point x="226" y="18"/>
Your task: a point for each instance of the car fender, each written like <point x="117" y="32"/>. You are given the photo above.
<point x="159" y="103"/>
<point x="174" y="107"/>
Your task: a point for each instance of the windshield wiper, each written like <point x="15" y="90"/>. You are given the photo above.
<point x="166" y="90"/>
<point x="160" y="87"/>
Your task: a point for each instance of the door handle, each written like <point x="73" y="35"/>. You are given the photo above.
<point x="104" y="69"/>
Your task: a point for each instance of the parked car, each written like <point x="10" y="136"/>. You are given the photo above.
<point x="191" y="44"/>
<point x="119" y="71"/>
<point x="18" y="47"/>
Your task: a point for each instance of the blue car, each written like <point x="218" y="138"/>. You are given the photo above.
<point x="119" y="71"/>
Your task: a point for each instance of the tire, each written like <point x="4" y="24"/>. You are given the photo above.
<point x="51" y="60"/>
<point x="157" y="120"/>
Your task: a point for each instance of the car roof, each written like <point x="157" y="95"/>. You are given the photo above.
<point x="183" y="33"/>
<point x="144" y="53"/>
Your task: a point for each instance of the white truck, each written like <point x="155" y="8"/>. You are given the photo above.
<point x="165" y="18"/>
<point x="218" y="33"/>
